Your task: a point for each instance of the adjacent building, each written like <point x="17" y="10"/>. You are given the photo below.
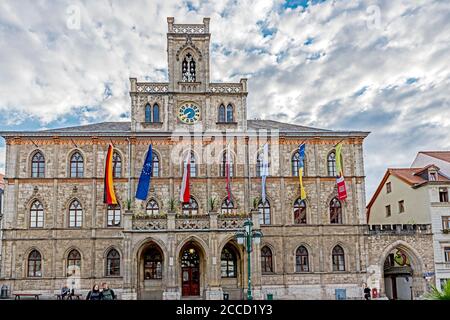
<point x="57" y="228"/>
<point x="418" y="195"/>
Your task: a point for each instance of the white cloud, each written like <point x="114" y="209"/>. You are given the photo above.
<point x="350" y="75"/>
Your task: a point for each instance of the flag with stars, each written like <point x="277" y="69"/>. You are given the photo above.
<point x="144" y="179"/>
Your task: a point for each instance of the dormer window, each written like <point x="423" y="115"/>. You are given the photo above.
<point x="432" y="176"/>
<point x="188" y="68"/>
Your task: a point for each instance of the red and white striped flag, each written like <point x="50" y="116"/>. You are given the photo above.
<point x="227" y="173"/>
<point x="185" y="194"/>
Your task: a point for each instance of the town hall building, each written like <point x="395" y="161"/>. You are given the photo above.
<point x="57" y="230"/>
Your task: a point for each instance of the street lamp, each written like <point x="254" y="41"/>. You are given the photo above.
<point x="247" y="237"/>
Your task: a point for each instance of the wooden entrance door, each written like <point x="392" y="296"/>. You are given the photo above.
<point x="190" y="272"/>
<point x="191" y="281"/>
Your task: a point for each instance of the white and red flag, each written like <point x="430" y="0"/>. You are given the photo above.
<point x="228" y="173"/>
<point x="185" y="194"/>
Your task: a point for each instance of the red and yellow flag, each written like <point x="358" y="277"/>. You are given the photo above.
<point x="109" y="195"/>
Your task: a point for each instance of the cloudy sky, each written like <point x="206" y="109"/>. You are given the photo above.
<point x="376" y="65"/>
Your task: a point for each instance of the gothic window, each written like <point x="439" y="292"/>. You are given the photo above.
<point x="113" y="215"/>
<point x="190" y="208"/>
<point x="221" y="113"/>
<point x="223" y="165"/>
<point x="36" y="215"/>
<point x="295" y="161"/>
<point x="152" y="208"/>
<point x="148" y="113"/>
<point x="113" y="263"/>
<point x="37" y="165"/>
<point x="227" y="207"/>
<point x="228" y="263"/>
<point x="152" y="264"/>
<point x="335" y="211"/>
<point x="230" y="117"/>
<point x="117" y="165"/>
<point x="338" y="258"/>
<point x="260" y="164"/>
<point x="76" y="165"/>
<point x="266" y="260"/>
<point x="155" y="112"/>
<point x="299" y="211"/>
<point x="188" y="68"/>
<point x="73" y="262"/>
<point x="331" y="160"/>
<point x="301" y="260"/>
<point x="193" y="165"/>
<point x="34" y="264"/>
<point x="264" y="212"/>
<point x="155" y="165"/>
<point x="75" y="214"/>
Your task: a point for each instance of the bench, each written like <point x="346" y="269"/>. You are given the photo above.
<point x="68" y="296"/>
<point x="19" y="295"/>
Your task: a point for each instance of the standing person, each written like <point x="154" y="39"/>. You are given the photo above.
<point x="366" y="292"/>
<point x="94" y="294"/>
<point x="107" y="293"/>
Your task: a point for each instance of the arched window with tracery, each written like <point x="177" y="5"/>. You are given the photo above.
<point x="227" y="207"/>
<point x="335" y="211"/>
<point x="188" y="68"/>
<point x="192" y="164"/>
<point x="295" y="164"/>
<point x="117" y="165"/>
<point x="300" y="211"/>
<point x="73" y="262"/>
<point x="222" y="113"/>
<point x="37" y="215"/>
<point x="331" y="161"/>
<point x="75" y="214"/>
<point x="266" y="260"/>
<point x="113" y="215"/>
<point x="190" y="208"/>
<point x="113" y="263"/>
<point x="223" y="165"/>
<point x="155" y="113"/>
<point x="34" y="264"/>
<point x="301" y="259"/>
<point x="38" y="165"/>
<point x="76" y="165"/>
<point x="152" y="208"/>
<point x="230" y="115"/>
<point x="155" y="165"/>
<point x="148" y="113"/>
<point x="338" y="257"/>
<point x="228" y="262"/>
<point x="153" y="263"/>
<point x="264" y="212"/>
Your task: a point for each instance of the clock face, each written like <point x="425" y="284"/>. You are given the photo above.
<point x="189" y="113"/>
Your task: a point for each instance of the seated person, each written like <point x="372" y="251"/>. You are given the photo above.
<point x="65" y="291"/>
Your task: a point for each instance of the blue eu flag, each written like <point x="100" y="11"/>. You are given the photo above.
<point x="144" y="179"/>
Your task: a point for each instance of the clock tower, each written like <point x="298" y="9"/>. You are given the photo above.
<point x="188" y="99"/>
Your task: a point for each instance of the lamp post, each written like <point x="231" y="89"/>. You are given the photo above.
<point x="246" y="238"/>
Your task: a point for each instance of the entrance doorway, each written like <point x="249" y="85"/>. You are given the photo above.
<point x="190" y="271"/>
<point x="398" y="276"/>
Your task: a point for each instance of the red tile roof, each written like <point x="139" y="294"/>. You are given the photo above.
<point x="441" y="155"/>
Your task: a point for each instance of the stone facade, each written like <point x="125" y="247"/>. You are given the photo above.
<point x="209" y="231"/>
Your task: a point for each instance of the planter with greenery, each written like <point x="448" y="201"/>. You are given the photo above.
<point x="437" y="294"/>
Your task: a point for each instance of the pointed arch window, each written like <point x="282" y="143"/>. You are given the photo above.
<point x="228" y="262"/>
<point x="301" y="259"/>
<point x="266" y="260"/>
<point x="193" y="164"/>
<point x="331" y="161"/>
<point x="335" y="211"/>
<point x="223" y="165"/>
<point x="155" y="112"/>
<point x="34" y="264"/>
<point x="152" y="263"/>
<point x="338" y="257"/>
<point x="190" y="208"/>
<point x="155" y="165"/>
<point x="148" y="113"/>
<point x="76" y="165"/>
<point x="264" y="212"/>
<point x="296" y="163"/>
<point x="300" y="211"/>
<point x="260" y="164"/>
<point x="117" y="165"/>
<point x="73" y="262"/>
<point x="75" y="214"/>
<point x="188" y="68"/>
<point x="152" y="208"/>
<point x="113" y="263"/>
<point x="38" y="165"/>
<point x="230" y="116"/>
<point x="113" y="215"/>
<point x="37" y="215"/>
<point x="221" y="113"/>
<point x="228" y="207"/>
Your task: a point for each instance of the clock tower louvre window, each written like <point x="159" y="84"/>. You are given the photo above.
<point x="188" y="68"/>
